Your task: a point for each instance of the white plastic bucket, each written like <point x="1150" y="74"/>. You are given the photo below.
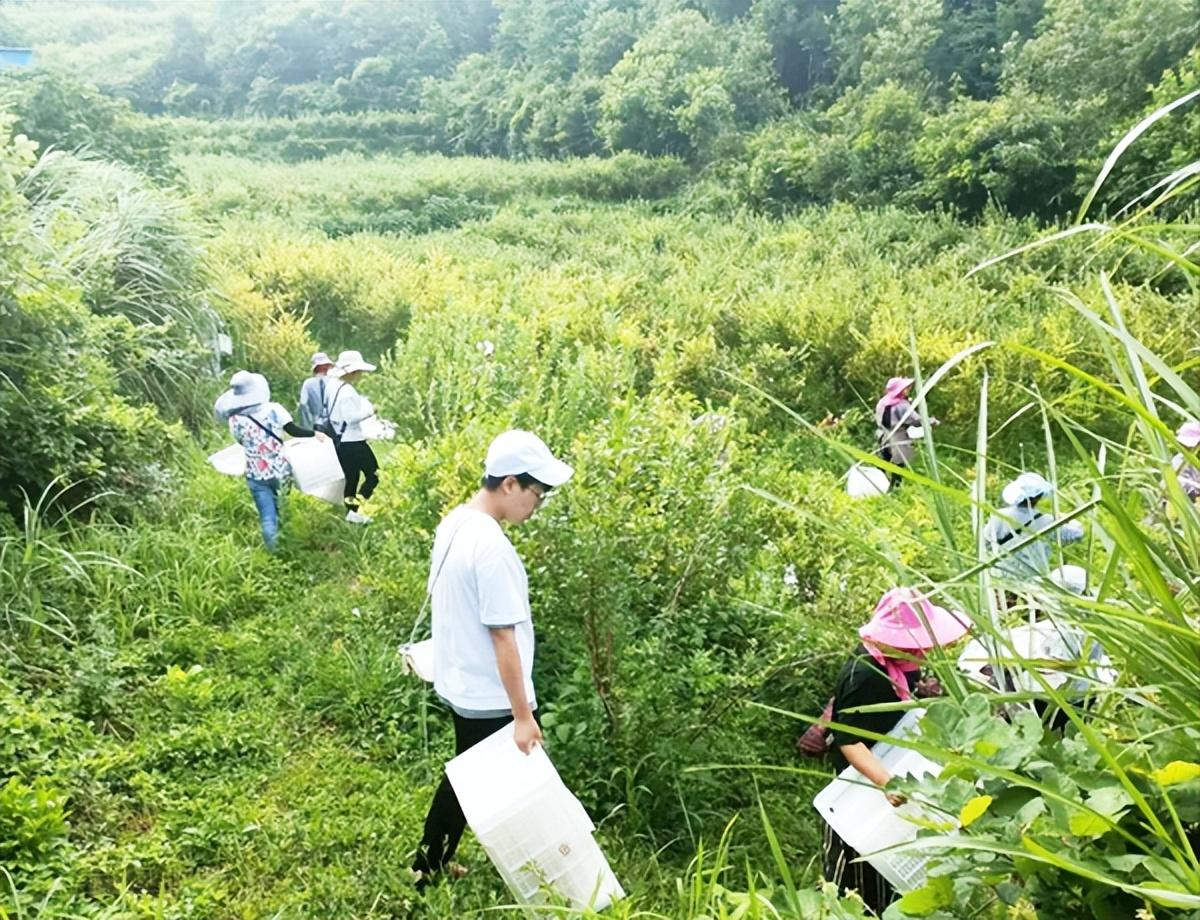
<point x="315" y="468"/>
<point x="863" y="817"/>
<point x="866" y="481"/>
<point x="229" y="460"/>
<point x="536" y="833"/>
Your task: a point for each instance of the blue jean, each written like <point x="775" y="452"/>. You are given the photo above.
<point x="265" y="493"/>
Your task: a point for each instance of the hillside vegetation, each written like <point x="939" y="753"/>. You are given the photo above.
<point x="692" y="280"/>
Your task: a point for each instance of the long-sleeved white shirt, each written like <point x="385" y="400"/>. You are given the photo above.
<point x="347" y="409"/>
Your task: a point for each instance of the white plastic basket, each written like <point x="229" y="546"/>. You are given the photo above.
<point x="315" y="468"/>
<point x="866" y="481"/>
<point x="861" y="815"/>
<point x="230" y="460"/>
<point x="537" y="834"/>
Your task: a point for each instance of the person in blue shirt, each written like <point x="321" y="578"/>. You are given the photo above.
<point x="312" y="392"/>
<point x="1019" y="519"/>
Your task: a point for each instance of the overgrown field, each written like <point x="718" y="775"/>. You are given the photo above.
<point x="193" y="728"/>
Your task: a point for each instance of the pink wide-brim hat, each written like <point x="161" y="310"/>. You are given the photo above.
<point x="905" y="620"/>
<point x="1189" y="434"/>
<point x="898" y="385"/>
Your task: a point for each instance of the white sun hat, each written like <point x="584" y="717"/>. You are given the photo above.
<point x="246" y="389"/>
<point x="350" y="361"/>
<point x="319" y="359"/>
<point x="1025" y="487"/>
<point x="516" y="452"/>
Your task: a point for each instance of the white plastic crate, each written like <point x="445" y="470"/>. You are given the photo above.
<point x="534" y="830"/>
<point x="862" y="816"/>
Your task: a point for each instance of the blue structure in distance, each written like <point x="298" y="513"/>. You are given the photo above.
<point x="15" y="57"/>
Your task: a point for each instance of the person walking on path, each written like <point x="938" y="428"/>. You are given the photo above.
<point x="884" y="668"/>
<point x="258" y="425"/>
<point x="894" y="415"/>
<point x="482" y="626"/>
<point x="346" y="409"/>
<point x="1018" y="519"/>
<point x="311" y="408"/>
<point x="1187" y="474"/>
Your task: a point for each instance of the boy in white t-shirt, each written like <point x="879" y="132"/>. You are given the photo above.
<point x="482" y="628"/>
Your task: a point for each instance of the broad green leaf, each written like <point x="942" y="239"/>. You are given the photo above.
<point x="936" y="893"/>
<point x="1177" y="771"/>
<point x="974" y="809"/>
<point x="1086" y="824"/>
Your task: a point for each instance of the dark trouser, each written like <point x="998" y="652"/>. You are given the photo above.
<point x="445" y="822"/>
<point x="857" y="876"/>
<point x="357" y="459"/>
<point x="893" y="478"/>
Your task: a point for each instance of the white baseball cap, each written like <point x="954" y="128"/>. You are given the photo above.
<point x="516" y="452"/>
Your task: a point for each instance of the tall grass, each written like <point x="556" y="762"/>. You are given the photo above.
<point x="1101" y="815"/>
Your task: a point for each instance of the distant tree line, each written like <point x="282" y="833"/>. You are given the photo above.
<point x="952" y="103"/>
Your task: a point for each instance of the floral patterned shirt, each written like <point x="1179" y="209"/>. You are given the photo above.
<point x="264" y="453"/>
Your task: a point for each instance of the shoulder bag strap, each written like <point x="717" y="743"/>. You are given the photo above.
<point x="269" y="432"/>
<point x="433" y="584"/>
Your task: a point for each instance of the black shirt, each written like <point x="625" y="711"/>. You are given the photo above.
<point x="863" y="682"/>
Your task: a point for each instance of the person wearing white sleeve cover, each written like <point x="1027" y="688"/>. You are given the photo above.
<point x="346" y="410"/>
<point x="483" y="635"/>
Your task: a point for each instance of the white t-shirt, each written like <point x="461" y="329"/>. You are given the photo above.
<point x="480" y="584"/>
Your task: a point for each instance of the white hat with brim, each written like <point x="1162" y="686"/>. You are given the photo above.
<point x="320" y="359"/>
<point x="516" y="452"/>
<point x="1025" y="487"/>
<point x="350" y="361"/>
<point x="245" y="391"/>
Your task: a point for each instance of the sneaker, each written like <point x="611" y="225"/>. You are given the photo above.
<point x="355" y="517"/>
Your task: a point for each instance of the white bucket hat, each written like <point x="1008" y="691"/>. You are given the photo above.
<point x="350" y="361"/>
<point x="516" y="452"/>
<point x="321" y="358"/>
<point x="246" y="390"/>
<point x="1025" y="487"/>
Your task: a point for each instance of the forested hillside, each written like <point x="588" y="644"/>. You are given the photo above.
<point x="687" y="243"/>
<point x="930" y="103"/>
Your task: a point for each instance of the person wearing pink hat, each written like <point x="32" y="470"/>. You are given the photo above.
<point x="1186" y="473"/>
<point x="894" y="415"/>
<point x="885" y="668"/>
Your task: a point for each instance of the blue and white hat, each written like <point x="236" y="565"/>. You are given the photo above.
<point x="246" y="390"/>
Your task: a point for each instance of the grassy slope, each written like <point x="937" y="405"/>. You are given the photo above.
<point x="289" y="776"/>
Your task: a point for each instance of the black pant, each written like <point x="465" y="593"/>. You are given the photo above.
<point x="445" y="822"/>
<point x="357" y="459"/>
<point x="839" y="868"/>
